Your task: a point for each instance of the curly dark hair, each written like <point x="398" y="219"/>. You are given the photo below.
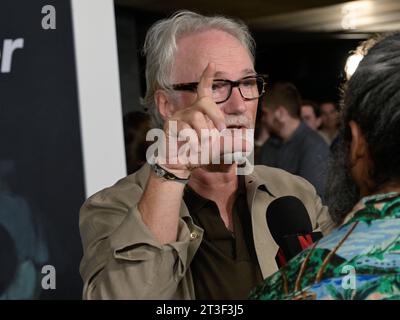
<point x="371" y="98"/>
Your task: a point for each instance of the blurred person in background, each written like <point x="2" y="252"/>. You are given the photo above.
<point x="261" y="133"/>
<point x="136" y="126"/>
<point x="310" y="114"/>
<point x="293" y="146"/>
<point x="329" y="121"/>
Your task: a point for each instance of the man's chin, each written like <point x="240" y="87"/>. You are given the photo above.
<point x="221" y="168"/>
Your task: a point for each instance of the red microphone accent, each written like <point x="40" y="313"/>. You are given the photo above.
<point x="281" y="258"/>
<point x="305" y="241"/>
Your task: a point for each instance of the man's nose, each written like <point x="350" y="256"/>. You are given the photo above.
<point x="235" y="104"/>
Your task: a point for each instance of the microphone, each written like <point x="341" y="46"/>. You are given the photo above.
<point x="290" y="226"/>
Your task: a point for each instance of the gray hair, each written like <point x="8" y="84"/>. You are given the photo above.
<point x="160" y="48"/>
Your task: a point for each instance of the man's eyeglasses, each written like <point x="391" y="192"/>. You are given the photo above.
<point x="250" y="88"/>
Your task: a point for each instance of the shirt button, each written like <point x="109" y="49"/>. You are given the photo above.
<point x="193" y="236"/>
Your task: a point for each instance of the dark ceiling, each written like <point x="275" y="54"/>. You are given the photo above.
<point x="332" y="16"/>
<point x="249" y="9"/>
<point x="305" y="42"/>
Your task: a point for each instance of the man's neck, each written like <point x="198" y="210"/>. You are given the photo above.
<point x="289" y="128"/>
<point x="219" y="186"/>
<point x="214" y="185"/>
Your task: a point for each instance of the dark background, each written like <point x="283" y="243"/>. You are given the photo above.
<point x="313" y="62"/>
<point x="39" y="133"/>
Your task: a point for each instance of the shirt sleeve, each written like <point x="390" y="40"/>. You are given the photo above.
<point x="122" y="259"/>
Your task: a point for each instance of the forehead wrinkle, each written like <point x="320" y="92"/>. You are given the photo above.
<point x="211" y="46"/>
<point x="244" y="72"/>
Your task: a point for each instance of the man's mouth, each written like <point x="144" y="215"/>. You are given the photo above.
<point x="236" y="127"/>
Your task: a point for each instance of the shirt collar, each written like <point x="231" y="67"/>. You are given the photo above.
<point x="195" y="202"/>
<point x="252" y="182"/>
<point x="378" y="203"/>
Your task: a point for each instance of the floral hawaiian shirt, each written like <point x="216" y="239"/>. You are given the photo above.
<point x="359" y="260"/>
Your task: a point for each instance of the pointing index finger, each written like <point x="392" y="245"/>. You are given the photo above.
<point x="204" y="88"/>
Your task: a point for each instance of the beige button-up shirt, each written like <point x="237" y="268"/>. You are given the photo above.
<point x="122" y="259"/>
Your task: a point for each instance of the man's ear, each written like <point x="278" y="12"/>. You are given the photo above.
<point x="163" y="103"/>
<point x="359" y="146"/>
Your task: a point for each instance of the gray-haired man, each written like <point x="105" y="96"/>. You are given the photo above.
<point x="185" y="231"/>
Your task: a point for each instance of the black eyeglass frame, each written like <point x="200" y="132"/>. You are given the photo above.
<point x="192" y="86"/>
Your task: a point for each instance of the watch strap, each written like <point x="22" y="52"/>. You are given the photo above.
<point x="162" y="173"/>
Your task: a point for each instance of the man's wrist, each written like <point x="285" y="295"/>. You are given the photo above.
<point x="162" y="171"/>
<point x="176" y="170"/>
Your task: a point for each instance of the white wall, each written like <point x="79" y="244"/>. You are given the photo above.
<point x="99" y="93"/>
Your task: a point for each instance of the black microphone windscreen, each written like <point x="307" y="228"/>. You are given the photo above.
<point x="287" y="216"/>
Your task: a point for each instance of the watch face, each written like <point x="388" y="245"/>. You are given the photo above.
<point x="160" y="172"/>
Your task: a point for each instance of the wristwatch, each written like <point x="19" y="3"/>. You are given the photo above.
<point x="162" y="173"/>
